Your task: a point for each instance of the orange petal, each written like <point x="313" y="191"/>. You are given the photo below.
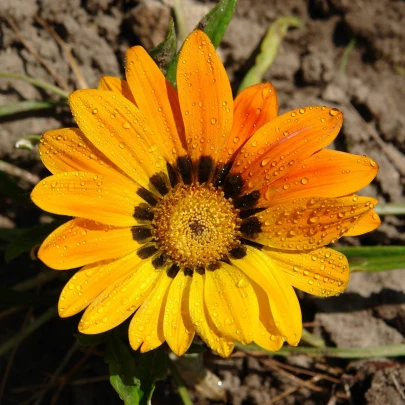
<point x="202" y="322"/>
<point x="327" y="173"/>
<point x="206" y="102"/>
<point x="283" y="302"/>
<point x="146" y="327"/>
<point x="109" y="200"/>
<point x="118" y="85"/>
<point x="307" y="223"/>
<point x="80" y="242"/>
<point x="367" y="223"/>
<point x="158" y="102"/>
<point x="120" y="299"/>
<point x="68" y="150"/>
<point x="322" y="272"/>
<point x="177" y="325"/>
<point x="120" y="131"/>
<point x="277" y="147"/>
<point x="253" y="107"/>
<point x="231" y="303"/>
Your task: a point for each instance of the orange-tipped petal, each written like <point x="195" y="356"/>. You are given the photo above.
<point x="177" y="325"/>
<point x="126" y="293"/>
<point x="109" y="200"/>
<point x="80" y="242"/>
<point x="306" y="223"/>
<point x="158" y="102"/>
<point x="119" y="130"/>
<point x="283" y="302"/>
<point x="368" y="223"/>
<point x="277" y="147"/>
<point x="327" y="173"/>
<point x="253" y="107"/>
<point x="202" y="322"/>
<point x="206" y="102"/>
<point x="323" y="272"/>
<point x="68" y="150"/>
<point x="118" y="85"/>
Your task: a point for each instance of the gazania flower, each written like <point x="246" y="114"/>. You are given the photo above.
<point x="194" y="213"/>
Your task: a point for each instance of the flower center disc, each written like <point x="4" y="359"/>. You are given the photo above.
<point x="196" y="225"/>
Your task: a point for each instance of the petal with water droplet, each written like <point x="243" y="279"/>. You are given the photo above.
<point x="367" y="223"/>
<point x="116" y="84"/>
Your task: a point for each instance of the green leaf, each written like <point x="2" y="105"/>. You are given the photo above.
<point x="165" y="52"/>
<point x="29" y="238"/>
<point x="214" y="24"/>
<point x="9" y="188"/>
<point x="268" y="50"/>
<point x="8" y="234"/>
<point x="36" y="82"/>
<point x="27" y="105"/>
<point x="390" y="209"/>
<point x="376" y="258"/>
<point x="133" y="374"/>
<point x="196" y="348"/>
<point x="90" y="340"/>
<point x="28" y="142"/>
<point x="121" y="363"/>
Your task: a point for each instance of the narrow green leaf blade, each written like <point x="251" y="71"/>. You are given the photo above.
<point x="27" y="105"/>
<point x="29" y="238"/>
<point x="165" y="52"/>
<point x="376" y="258"/>
<point x="214" y="24"/>
<point x="268" y="50"/>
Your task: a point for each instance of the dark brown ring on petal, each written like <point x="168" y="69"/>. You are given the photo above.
<point x="225" y="259"/>
<point x="159" y="261"/>
<point x="214" y="266"/>
<point x="251" y="227"/>
<point x="188" y="272"/>
<point x="147" y="196"/>
<point x="251" y="243"/>
<point x="200" y="270"/>
<point x="172" y="175"/>
<point x="238" y="252"/>
<point x="173" y="270"/>
<point x="247" y="201"/>
<point x="140" y="233"/>
<point x="205" y="168"/>
<point x="146" y="251"/>
<point x="248" y="213"/>
<point x="143" y="212"/>
<point x="221" y="174"/>
<point x="158" y="180"/>
<point x="233" y="185"/>
<point x="185" y="168"/>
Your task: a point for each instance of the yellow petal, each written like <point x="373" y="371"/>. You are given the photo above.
<point x="202" y="322"/>
<point x="367" y="223"/>
<point x="118" y="85"/>
<point x="80" y="242"/>
<point x="280" y="145"/>
<point x="68" y="150"/>
<point x="231" y="303"/>
<point x="206" y="102"/>
<point x="158" y="102"/>
<point x="121" y="298"/>
<point x="146" y="327"/>
<point x="120" y="131"/>
<point x="328" y="173"/>
<point x="109" y="200"/>
<point x="283" y="301"/>
<point x="177" y="325"/>
<point x="91" y="280"/>
<point x="322" y="272"/>
<point x="306" y="223"/>
<point x="266" y="334"/>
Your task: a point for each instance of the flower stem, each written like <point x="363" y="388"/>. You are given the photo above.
<point x="181" y="387"/>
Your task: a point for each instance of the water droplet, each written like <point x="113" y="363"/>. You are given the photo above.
<point x="333" y="112"/>
<point x="213" y="121"/>
<point x="242" y="283"/>
<point x="95" y="111"/>
<point x="304" y="180"/>
<point x="122" y="145"/>
<point x="126" y="125"/>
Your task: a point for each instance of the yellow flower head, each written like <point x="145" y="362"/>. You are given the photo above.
<point x="197" y="213"/>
